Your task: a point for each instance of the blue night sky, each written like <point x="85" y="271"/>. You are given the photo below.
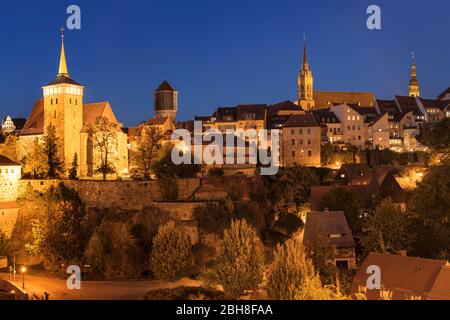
<point x="219" y="53"/>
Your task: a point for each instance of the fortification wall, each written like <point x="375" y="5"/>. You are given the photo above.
<point x="127" y="195"/>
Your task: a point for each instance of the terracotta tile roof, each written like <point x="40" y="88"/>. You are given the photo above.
<point x="404" y="276"/>
<point x="258" y="110"/>
<point x="165" y="86"/>
<point x="409" y="104"/>
<point x="94" y="110"/>
<point x="429" y="103"/>
<point x="8" y="205"/>
<point x="320" y="225"/>
<point x="4" y="161"/>
<point x="301" y="120"/>
<point x="326" y="116"/>
<point x="441" y="286"/>
<point x="355" y="171"/>
<point x="156" y="121"/>
<point x="284" y="106"/>
<point x="325" y="99"/>
<point x="35" y="122"/>
<point x="444" y="93"/>
<point x="63" y="79"/>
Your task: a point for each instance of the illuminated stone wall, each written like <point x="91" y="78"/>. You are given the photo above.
<point x="127" y="195"/>
<point x="9" y="182"/>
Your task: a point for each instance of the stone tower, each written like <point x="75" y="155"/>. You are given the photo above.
<point x="166" y="101"/>
<point x="63" y="109"/>
<point x="414" y="90"/>
<point x="305" y="84"/>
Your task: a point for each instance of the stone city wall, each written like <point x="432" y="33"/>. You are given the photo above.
<point x="127" y="195"/>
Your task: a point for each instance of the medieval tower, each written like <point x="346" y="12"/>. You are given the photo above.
<point x="63" y="109"/>
<point x="305" y="84"/>
<point x="166" y="101"/>
<point x="414" y="90"/>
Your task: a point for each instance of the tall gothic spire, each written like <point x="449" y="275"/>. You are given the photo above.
<point x="62" y="61"/>
<point x="305" y="65"/>
<point x="414" y="90"/>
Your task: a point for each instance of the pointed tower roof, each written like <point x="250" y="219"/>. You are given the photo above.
<point x="305" y="65"/>
<point x="63" y="73"/>
<point x="165" y="86"/>
<point x="62" y="60"/>
<point x="413" y="68"/>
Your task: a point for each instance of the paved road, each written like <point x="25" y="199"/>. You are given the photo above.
<point x="93" y="290"/>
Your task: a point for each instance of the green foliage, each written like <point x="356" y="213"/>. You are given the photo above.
<point x="238" y="266"/>
<point x="285" y="192"/>
<point x="386" y="230"/>
<point x="185" y="293"/>
<point x="171" y="257"/>
<point x="8" y="147"/>
<point x="216" y="216"/>
<point x="36" y="161"/>
<point x="114" y="253"/>
<point x="165" y="168"/>
<point x="73" y="172"/>
<point x="332" y="154"/>
<point x="429" y="206"/>
<point x="436" y="136"/>
<point x="293" y="276"/>
<point x="168" y="189"/>
<point x="55" y="165"/>
<point x="5" y="246"/>
<point x="57" y="234"/>
<point x="103" y="134"/>
<point x="339" y="199"/>
<point x="148" y="145"/>
<point x="322" y="254"/>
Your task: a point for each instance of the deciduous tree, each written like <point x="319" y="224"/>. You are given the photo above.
<point x="36" y="161"/>
<point x="147" y="149"/>
<point x="386" y="229"/>
<point x="104" y="136"/>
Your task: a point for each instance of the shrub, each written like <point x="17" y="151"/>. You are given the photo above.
<point x="171" y="257"/>
<point x="239" y="262"/>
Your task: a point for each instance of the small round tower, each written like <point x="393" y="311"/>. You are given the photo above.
<point x="166" y="101"/>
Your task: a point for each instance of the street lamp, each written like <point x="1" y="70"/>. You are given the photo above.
<point x="23" y="270"/>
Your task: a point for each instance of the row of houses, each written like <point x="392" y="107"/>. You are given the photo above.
<point x="399" y="277"/>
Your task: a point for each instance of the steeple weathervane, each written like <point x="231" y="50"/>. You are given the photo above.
<point x="62" y="61"/>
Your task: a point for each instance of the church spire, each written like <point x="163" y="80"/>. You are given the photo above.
<point x="305" y="65"/>
<point x="414" y="90"/>
<point x="62" y="61"/>
<point x="305" y="82"/>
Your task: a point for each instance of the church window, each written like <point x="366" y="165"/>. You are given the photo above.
<point x="51" y="101"/>
<point x="309" y="141"/>
<point x="54" y="114"/>
<point x="293" y="142"/>
<point x="56" y="100"/>
<point x="293" y="154"/>
<point x="309" y="153"/>
<point x="70" y="101"/>
<point x="76" y="102"/>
